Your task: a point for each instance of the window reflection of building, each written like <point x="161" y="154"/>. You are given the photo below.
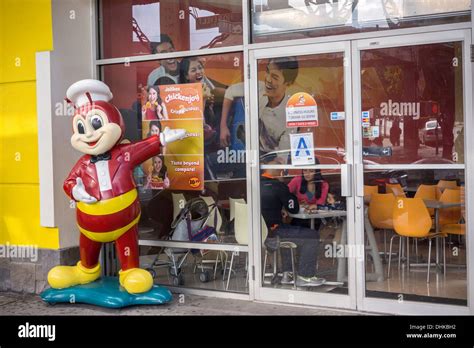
<point x="419" y="86"/>
<point x="199" y="24"/>
<point x="292" y="19"/>
<point x="228" y="177"/>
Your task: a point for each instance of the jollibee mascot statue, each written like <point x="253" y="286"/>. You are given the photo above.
<point x="102" y="184"/>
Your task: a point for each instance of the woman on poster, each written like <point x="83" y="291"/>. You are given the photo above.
<point x="158" y="177"/>
<point x="154" y="108"/>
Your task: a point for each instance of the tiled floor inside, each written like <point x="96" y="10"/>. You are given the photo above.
<point x="443" y="288"/>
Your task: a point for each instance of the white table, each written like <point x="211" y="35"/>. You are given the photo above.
<point x="319" y="214"/>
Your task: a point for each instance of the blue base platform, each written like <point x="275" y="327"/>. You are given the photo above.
<point x="106" y="292"/>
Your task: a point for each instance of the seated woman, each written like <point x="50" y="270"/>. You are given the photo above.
<point x="311" y="191"/>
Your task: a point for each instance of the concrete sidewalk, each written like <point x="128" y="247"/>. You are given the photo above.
<point x="17" y="304"/>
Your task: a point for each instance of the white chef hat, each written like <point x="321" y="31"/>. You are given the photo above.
<point x="98" y="90"/>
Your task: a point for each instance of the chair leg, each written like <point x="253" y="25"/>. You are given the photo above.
<point x="416" y="249"/>
<point x="293" y="267"/>
<point x="224" y="267"/>
<point x="264" y="266"/>
<point x="400" y="253"/>
<point x="444" y="255"/>
<point x="224" y="271"/>
<point x="173" y="261"/>
<point x="247" y="267"/>
<point x="408" y="254"/>
<point x="226" y="261"/>
<point x="275" y="263"/>
<point x="230" y="271"/>
<point x="390" y="254"/>
<point x="385" y="244"/>
<point x="216" y="263"/>
<point x="429" y="261"/>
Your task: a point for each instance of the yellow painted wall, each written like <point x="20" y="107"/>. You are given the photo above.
<point x="25" y="28"/>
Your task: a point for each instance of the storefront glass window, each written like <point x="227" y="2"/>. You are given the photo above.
<point x="274" y="20"/>
<point x="152" y="26"/>
<point x="302" y="126"/>
<point x="216" y="144"/>
<point x="412" y="104"/>
<point x="413" y="114"/>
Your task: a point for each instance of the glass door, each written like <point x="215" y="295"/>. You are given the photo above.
<point x="412" y="95"/>
<point x="302" y="202"/>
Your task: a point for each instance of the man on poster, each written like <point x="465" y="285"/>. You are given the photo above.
<point x="274" y="133"/>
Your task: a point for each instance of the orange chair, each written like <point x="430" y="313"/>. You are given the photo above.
<point x="457" y="228"/>
<point x="444" y="184"/>
<point x="370" y="190"/>
<point x="427" y="192"/>
<point x="411" y="219"/>
<point x="396" y="189"/>
<point x="450" y="215"/>
<point x="380" y="213"/>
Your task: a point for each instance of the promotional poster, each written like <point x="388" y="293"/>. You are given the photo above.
<point x="181" y="167"/>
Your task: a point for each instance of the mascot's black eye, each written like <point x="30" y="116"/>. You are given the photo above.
<point x="96" y="122"/>
<point x="80" y="127"/>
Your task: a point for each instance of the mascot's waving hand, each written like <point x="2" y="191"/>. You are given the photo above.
<point x="102" y="184"/>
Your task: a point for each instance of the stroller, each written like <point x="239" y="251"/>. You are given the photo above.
<point x="189" y="226"/>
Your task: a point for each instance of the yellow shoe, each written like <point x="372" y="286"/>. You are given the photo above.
<point x="61" y="277"/>
<point x="136" y="280"/>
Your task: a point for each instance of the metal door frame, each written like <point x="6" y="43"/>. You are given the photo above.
<point x="402" y="306"/>
<point x="294" y="296"/>
<point x="355" y="213"/>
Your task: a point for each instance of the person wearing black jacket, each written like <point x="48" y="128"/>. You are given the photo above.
<point x="276" y="203"/>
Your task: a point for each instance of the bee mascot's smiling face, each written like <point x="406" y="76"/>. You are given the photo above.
<point x="98" y="127"/>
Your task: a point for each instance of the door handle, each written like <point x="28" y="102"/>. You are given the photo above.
<point x="346" y="180"/>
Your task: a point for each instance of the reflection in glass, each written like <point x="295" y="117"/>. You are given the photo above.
<point x="146" y="27"/>
<point x="412" y="104"/>
<point x="288" y="83"/>
<point x="277" y="20"/>
<point x="146" y="110"/>
<point x="303" y="212"/>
